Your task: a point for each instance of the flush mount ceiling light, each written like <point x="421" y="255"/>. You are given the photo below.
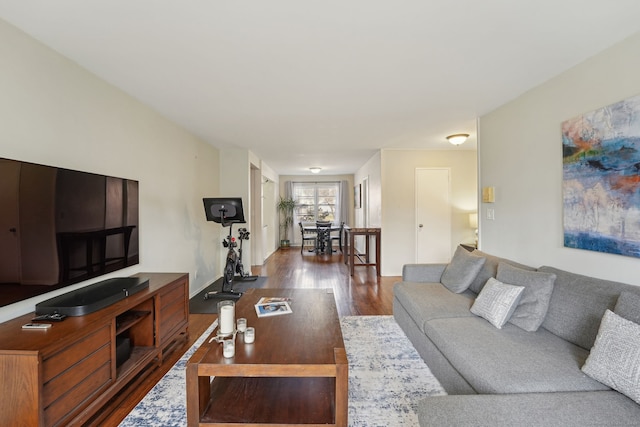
<point x="458" y="138"/>
<point x="315" y="170"/>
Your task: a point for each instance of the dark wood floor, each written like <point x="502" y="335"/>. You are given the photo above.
<point x="362" y="294"/>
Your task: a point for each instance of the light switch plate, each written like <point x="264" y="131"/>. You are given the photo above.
<point x="491" y="214"/>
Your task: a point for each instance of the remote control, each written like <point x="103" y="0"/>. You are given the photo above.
<point x="55" y="317"/>
<point x="36" y="326"/>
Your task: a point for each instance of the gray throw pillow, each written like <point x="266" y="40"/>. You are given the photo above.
<point x="461" y="271"/>
<point x="496" y="302"/>
<point x="614" y="359"/>
<point x="534" y="301"/>
<point x="628" y="306"/>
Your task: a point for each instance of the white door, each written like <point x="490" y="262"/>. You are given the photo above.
<point x="9" y="228"/>
<point x="252" y="248"/>
<point x="433" y="215"/>
<point x="269" y="219"/>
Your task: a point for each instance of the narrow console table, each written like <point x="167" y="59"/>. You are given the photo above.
<point x="63" y="376"/>
<point x="350" y="253"/>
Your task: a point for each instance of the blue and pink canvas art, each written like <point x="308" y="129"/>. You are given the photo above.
<point x="601" y="179"/>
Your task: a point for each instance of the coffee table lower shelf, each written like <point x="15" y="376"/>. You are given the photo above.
<point x="280" y="400"/>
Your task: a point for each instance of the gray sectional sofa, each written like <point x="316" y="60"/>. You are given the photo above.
<point x="529" y="371"/>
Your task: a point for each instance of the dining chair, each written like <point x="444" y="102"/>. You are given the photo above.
<point x="324" y="237"/>
<point x="339" y="236"/>
<point x="306" y="237"/>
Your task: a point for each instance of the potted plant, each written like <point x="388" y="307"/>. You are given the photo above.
<point x="285" y="206"/>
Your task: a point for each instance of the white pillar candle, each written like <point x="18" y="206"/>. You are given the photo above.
<point x="226" y="317"/>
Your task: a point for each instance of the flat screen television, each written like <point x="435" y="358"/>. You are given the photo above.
<point x="60" y="226"/>
<point x="228" y="209"/>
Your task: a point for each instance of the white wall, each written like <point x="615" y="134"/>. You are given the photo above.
<point x="520" y="151"/>
<point x="269" y="212"/>
<point x="241" y="174"/>
<point x="371" y="171"/>
<point x="269" y="217"/>
<point x="398" y="201"/>
<point x="56" y="113"/>
<point x="235" y="181"/>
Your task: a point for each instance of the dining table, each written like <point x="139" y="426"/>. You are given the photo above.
<point x="323" y="239"/>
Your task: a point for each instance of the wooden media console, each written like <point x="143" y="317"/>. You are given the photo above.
<point x="63" y="376"/>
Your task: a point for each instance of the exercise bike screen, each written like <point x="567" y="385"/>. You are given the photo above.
<point x="230" y="207"/>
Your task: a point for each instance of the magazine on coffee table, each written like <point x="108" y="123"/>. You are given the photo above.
<point x="272" y="308"/>
<point x="267" y="300"/>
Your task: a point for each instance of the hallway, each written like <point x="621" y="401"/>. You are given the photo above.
<point x="362" y="294"/>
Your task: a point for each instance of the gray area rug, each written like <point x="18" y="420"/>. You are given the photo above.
<point x="387" y="378"/>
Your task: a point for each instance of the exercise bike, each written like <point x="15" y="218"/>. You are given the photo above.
<point x="242" y="276"/>
<point x="227" y="215"/>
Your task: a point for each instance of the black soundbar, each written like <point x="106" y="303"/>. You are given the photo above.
<point x="92" y="298"/>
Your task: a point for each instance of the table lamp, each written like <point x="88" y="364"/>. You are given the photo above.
<point x="473" y="223"/>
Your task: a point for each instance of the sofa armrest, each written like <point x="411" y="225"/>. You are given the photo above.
<point x="428" y="273"/>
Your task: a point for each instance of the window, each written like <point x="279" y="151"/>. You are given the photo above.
<point x="316" y="201"/>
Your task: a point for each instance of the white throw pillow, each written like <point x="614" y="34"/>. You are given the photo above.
<point x="497" y="301"/>
<point x="615" y="357"/>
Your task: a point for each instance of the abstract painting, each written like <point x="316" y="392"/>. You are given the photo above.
<point x="601" y="179"/>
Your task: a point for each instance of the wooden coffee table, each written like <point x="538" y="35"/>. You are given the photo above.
<point x="295" y="372"/>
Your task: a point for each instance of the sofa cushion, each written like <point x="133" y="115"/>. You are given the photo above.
<point x="449" y="378"/>
<point x="461" y="271"/>
<point x="628" y="306"/>
<point x="510" y="360"/>
<point x="534" y="302"/>
<point x="589" y="408"/>
<point x="490" y="269"/>
<point x="496" y="302"/>
<point x="615" y="357"/>
<point x="425" y="301"/>
<point x="577" y="305"/>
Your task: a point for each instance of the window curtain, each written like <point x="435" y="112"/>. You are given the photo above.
<point x="288" y="194"/>
<point x="344" y="202"/>
<point x="288" y="189"/>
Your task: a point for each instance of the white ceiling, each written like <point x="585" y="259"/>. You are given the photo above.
<point x="326" y="83"/>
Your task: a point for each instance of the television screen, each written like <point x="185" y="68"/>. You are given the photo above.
<point x="60" y="226"/>
<point x="228" y="208"/>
